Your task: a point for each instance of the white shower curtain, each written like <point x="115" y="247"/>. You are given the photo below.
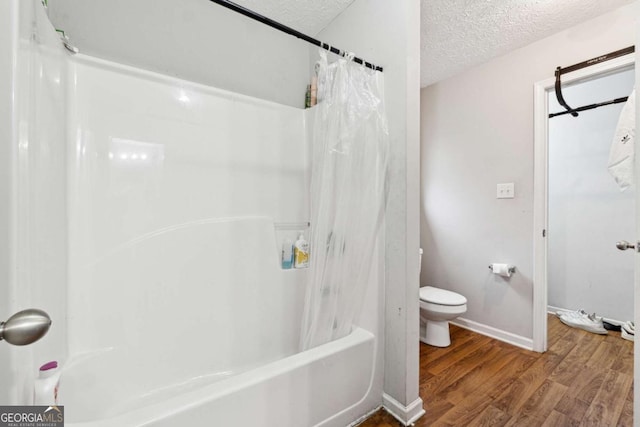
<point x="349" y="162"/>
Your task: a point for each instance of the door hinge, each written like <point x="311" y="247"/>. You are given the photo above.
<point x="544" y="233"/>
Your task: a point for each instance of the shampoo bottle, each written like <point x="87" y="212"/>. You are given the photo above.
<point x="301" y="253"/>
<point x="45" y="388"/>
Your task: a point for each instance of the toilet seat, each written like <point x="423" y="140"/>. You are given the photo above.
<point x="439" y="296"/>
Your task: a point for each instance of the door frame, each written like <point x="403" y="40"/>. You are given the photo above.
<point x="541" y="189"/>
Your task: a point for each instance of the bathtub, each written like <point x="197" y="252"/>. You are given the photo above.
<point x="312" y="388"/>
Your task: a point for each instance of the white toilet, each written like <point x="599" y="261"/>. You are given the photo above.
<point x="437" y="307"/>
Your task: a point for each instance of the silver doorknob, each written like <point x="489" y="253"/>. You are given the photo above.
<point x="25" y="327"/>
<point x="623" y="245"/>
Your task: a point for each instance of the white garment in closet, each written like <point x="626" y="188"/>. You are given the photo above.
<point x="621" y="157"/>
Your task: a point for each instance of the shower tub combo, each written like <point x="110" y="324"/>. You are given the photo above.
<point x="173" y="308"/>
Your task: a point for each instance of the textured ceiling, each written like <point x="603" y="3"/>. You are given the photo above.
<point x="455" y="34"/>
<point x="458" y="34"/>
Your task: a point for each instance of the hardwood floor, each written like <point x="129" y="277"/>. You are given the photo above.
<point x="583" y="379"/>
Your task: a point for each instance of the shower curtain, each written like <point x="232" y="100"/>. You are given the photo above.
<point x="348" y="175"/>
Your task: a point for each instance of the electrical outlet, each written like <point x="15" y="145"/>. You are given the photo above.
<point x="505" y="191"/>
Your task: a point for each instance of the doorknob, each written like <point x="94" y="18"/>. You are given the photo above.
<point x="25" y="327"/>
<point x="623" y="245"/>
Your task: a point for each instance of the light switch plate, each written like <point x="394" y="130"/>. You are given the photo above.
<point x="506" y="191"/>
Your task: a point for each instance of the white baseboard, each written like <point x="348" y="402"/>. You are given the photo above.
<point x="553" y="310"/>
<point x="508" y="337"/>
<point x="407" y="415"/>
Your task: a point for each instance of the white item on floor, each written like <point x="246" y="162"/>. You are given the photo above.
<point x="630" y="326"/>
<point x="628" y="331"/>
<point x="621" y="155"/>
<point x="437" y="308"/>
<point x="581" y="320"/>
<point x="573" y="314"/>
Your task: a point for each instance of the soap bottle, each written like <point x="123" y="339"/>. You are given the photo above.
<point x="45" y="388"/>
<point x="287" y="255"/>
<point x="301" y="252"/>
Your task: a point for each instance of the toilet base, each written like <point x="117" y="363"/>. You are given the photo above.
<point x="436" y="333"/>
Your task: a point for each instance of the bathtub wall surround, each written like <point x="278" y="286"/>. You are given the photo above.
<point x="173" y="201"/>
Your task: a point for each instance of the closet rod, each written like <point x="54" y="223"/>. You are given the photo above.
<point x="281" y="27"/>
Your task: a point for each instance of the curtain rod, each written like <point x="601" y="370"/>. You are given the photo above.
<point x="281" y="27"/>
<point x="560" y="71"/>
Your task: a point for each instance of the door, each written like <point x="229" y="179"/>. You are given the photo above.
<point x="587" y="211"/>
<point x="541" y="187"/>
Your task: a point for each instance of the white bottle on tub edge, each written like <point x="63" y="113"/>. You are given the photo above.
<point x="45" y="388"/>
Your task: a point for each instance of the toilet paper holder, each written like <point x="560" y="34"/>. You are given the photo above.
<point x="512" y="269"/>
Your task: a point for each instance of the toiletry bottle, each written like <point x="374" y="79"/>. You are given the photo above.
<point x="314" y="91"/>
<point x="287" y="254"/>
<point x="45" y="387"/>
<point x="307" y="97"/>
<point x="301" y="252"/>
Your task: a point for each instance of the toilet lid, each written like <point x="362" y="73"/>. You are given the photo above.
<point x="441" y="296"/>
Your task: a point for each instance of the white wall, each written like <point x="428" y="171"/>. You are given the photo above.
<point x="477" y="131"/>
<point x="387" y="34"/>
<point x="191" y="39"/>
<point x="587" y="211"/>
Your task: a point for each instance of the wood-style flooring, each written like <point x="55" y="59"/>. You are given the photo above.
<point x="583" y="379"/>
